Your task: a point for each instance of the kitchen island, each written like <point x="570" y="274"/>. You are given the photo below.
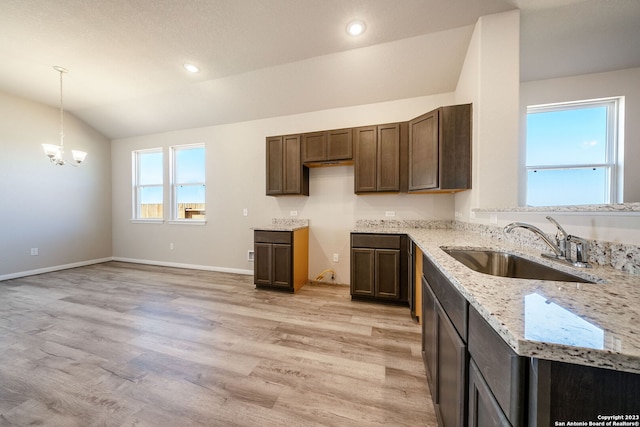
<point x="554" y="329"/>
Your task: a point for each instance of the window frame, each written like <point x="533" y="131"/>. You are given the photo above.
<point x="613" y="151"/>
<point x="137" y="187"/>
<point x="173" y="197"/>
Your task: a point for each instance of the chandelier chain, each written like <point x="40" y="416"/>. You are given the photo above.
<point x="61" y="71"/>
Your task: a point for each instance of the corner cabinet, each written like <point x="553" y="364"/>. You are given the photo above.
<point x="285" y="173"/>
<point x="281" y="259"/>
<point x="378" y="157"/>
<point x="379" y="267"/>
<point x="440" y="150"/>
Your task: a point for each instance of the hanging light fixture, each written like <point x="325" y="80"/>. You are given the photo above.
<point x="55" y="152"/>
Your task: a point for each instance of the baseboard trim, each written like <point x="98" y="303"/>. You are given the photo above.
<point x="187" y="266"/>
<point x="53" y="268"/>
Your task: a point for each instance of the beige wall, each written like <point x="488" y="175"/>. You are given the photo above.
<point x="236" y="180"/>
<point x="71" y="215"/>
<point x="65" y="211"/>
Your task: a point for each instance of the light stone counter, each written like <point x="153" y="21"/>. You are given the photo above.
<point x="588" y="324"/>
<point x="284" y="224"/>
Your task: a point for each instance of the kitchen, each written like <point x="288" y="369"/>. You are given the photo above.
<point x="489" y="79"/>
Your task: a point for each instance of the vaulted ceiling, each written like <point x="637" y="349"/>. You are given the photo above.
<point x="265" y="58"/>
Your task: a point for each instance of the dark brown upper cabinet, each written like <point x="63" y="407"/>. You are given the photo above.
<point x="377" y="158"/>
<point x="440" y="150"/>
<point x="327" y="147"/>
<point x="285" y="173"/>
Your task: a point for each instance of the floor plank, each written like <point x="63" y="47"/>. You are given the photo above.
<point x="119" y="344"/>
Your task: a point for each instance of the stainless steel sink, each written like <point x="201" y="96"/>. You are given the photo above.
<point x="504" y="264"/>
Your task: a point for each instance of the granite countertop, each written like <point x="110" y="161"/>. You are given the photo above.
<point x="583" y="323"/>
<point x="280" y="224"/>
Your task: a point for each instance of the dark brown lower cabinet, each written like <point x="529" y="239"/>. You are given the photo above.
<point x="561" y="392"/>
<point x="379" y="267"/>
<point x="444" y="350"/>
<point x="451" y="372"/>
<point x="281" y="259"/>
<point x="429" y="335"/>
<point x="484" y="410"/>
<point x="477" y="380"/>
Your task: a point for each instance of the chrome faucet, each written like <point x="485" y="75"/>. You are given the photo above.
<point x="563" y="241"/>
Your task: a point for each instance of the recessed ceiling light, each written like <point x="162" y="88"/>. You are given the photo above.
<point x="191" y="68"/>
<point x="355" y="28"/>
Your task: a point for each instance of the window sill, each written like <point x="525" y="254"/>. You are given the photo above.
<point x="187" y="222"/>
<point x="147" y="221"/>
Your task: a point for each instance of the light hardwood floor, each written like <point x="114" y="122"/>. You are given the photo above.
<point x="120" y="344"/>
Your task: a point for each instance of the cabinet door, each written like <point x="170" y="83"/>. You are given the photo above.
<point x="451" y="372"/>
<point x="423" y="152"/>
<point x="484" y="410"/>
<point x="275" y="166"/>
<point x="387" y="273"/>
<point x="314" y="147"/>
<point x="365" y="140"/>
<point x="282" y="265"/>
<point x="455" y="147"/>
<point x="388" y="158"/>
<point x="362" y="271"/>
<point x="429" y="337"/>
<point x="263" y="264"/>
<point x="340" y="145"/>
<point x="292" y="183"/>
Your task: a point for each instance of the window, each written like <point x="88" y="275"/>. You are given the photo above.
<point x="148" y="184"/>
<point x="188" y="182"/>
<point x="572" y="153"/>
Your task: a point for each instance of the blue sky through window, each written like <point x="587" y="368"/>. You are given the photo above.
<point x="567" y="137"/>
<point x="572" y="137"/>
<point x="190" y="169"/>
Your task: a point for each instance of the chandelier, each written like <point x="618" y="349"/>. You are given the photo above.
<point x="55" y="152"/>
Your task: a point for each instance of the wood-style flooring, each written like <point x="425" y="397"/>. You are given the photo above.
<point x="120" y="344"/>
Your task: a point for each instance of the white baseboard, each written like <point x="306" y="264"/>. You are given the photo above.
<point x="53" y="268"/>
<point x="187" y="266"/>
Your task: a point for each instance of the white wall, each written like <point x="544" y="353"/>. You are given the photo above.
<point x="593" y="86"/>
<point x="65" y="211"/>
<point x="236" y="180"/>
<point x="490" y="79"/>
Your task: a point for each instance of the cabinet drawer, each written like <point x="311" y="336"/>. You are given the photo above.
<point x="379" y="241"/>
<point x="454" y="304"/>
<point x="272" y="236"/>
<point x="502" y="369"/>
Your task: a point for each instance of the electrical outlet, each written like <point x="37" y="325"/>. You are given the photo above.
<point x="250" y="255"/>
<point x="293" y="213"/>
<point x="245" y="212"/>
<point x="390" y="213"/>
<point x="34" y="251"/>
<point x="171" y="246"/>
<point x="336" y="257"/>
<point x="458" y="214"/>
<point x="493" y="219"/>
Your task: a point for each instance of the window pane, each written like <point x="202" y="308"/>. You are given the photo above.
<point x="567" y="137"/>
<point x="189" y="165"/>
<point x="557" y="187"/>
<point x="190" y="200"/>
<point x="149" y="168"/>
<point x="150" y="200"/>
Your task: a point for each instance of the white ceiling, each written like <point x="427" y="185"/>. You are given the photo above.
<point x="265" y="58"/>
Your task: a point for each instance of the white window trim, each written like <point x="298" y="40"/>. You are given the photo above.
<point x="172" y="193"/>
<point x="615" y="142"/>
<point x="135" y="188"/>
